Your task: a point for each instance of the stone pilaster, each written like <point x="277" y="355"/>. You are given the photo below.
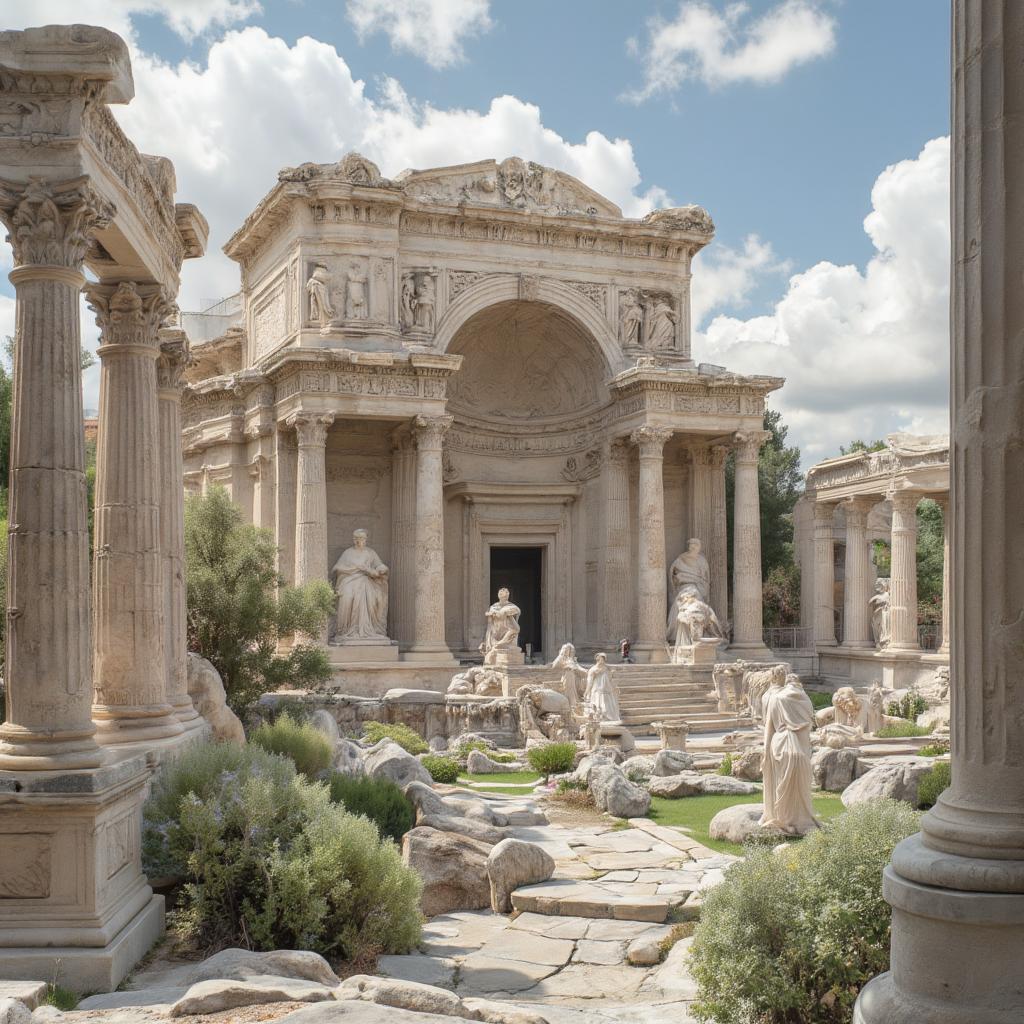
<point x="261" y="473"/>
<point x="903" y="581"/>
<point x="402" y="594"/>
<point x="652" y="579"/>
<point x="942" y="501"/>
<point x="747" y="620"/>
<point x="285" y="473"/>
<point x="857" y="583"/>
<point x="311" y="497"/>
<point x="959" y="884"/>
<point x="718" y="543"/>
<point x="48" y="670"/>
<point x="429" y="624"/>
<point x="701" y="465"/>
<point x="174" y="358"/>
<point x="130" y="702"/>
<point x="824" y="575"/>
<point x="616" y="574"/>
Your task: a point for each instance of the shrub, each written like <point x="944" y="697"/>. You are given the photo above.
<point x="934" y="749"/>
<point x="380" y="800"/>
<point x="408" y="739"/>
<point x="306" y="745"/>
<point x="552" y="758"/>
<point x="463" y="750"/>
<point x="820" y="701"/>
<point x="725" y="768"/>
<point x="900" y="730"/>
<point x="933" y="784"/>
<point x="573" y="792"/>
<point x="271" y="863"/>
<point x="442" y="769"/>
<point x="793" y="936"/>
<point x="909" y="706"/>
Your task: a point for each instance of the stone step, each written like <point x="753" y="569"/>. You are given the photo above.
<point x="571" y="898"/>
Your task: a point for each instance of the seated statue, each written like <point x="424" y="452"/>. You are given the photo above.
<point x="502" y="635"/>
<point x="478" y="681"/>
<point x="361" y="583"/>
<point x="695" y="621"/>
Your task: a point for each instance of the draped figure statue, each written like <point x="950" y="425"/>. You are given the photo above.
<point x="880" y="614"/>
<point x="789" y="719"/>
<point x="361" y="583"/>
<point x="690" y="572"/>
<point x="600" y="693"/>
<point x="571" y="672"/>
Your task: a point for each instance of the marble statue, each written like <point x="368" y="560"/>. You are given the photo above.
<point x="875" y="708"/>
<point x="850" y="708"/>
<point x="839" y="736"/>
<point x="424" y="309"/>
<point x="756" y="683"/>
<point x="408" y="300"/>
<point x="320" y="308"/>
<point x="661" y="335"/>
<point x="361" y="583"/>
<point x="695" y="620"/>
<point x="571" y="672"/>
<point x="880" y="615"/>
<point x="789" y="718"/>
<point x="591" y="729"/>
<point x="691" y="569"/>
<point x="600" y="693"/>
<point x="502" y="633"/>
<point x="728" y="678"/>
<point x="355" y="293"/>
<point x="631" y="320"/>
<point x="476" y="681"/>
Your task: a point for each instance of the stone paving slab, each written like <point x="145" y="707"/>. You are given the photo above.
<point x="590" y="899"/>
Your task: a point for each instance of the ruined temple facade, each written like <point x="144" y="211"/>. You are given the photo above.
<point x="489" y="369"/>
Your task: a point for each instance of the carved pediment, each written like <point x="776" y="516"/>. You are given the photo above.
<point x="693" y="219"/>
<point x="352" y="168"/>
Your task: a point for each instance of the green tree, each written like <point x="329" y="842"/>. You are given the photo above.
<point x="861" y="446"/>
<point x="239" y="608"/>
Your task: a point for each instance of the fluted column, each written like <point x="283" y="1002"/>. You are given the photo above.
<point x="130" y="702"/>
<point x="824" y="575"/>
<point x="311" y="496"/>
<point x="174" y="358"/>
<point x="48" y="672"/>
<point x="857" y="584"/>
<point x="747" y="628"/>
<point x="652" y="581"/>
<point x="903" y="582"/>
<point x="402" y="597"/>
<point x="942" y="501"/>
<point x="615" y="591"/>
<point x="957" y="888"/>
<point x="700" y="495"/>
<point x="718" y="545"/>
<point x="429" y="624"/>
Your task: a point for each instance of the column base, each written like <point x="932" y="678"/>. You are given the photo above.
<point x="187" y="715"/>
<point x="22" y="750"/>
<point x="435" y="655"/>
<point x="983" y="983"/>
<point x="136" y="724"/>
<point x="648" y="652"/>
<point x="857" y="645"/>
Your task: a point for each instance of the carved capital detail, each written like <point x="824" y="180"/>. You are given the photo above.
<point x="905" y="502"/>
<point x="175" y="358"/>
<point x="51" y="224"/>
<point x="650" y="440"/>
<point x="129" y="314"/>
<point x="748" y="444"/>
<point x="430" y="430"/>
<point x="311" y="430"/>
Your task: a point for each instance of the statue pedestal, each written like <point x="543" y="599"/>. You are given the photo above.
<point x="503" y="659"/>
<point x="615" y="734"/>
<point x="703" y="652"/>
<point x="350" y="652"/>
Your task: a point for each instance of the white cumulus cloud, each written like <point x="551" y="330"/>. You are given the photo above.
<point x="431" y="29"/>
<point x="719" y="47"/>
<point x="864" y="352"/>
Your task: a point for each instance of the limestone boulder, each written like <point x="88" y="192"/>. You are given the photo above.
<point x="834" y="770"/>
<point x="738" y="823"/>
<point x="894" y="781"/>
<point x="348" y="757"/>
<point x="207" y="692"/>
<point x="672" y="762"/>
<point x="601" y="756"/>
<point x="473" y="807"/>
<point x="478" y="763"/>
<point x="614" y="793"/>
<point x="387" y="760"/>
<point x="14" y="1011"/>
<point x="639" y="768"/>
<point x="404" y="995"/>
<point x="748" y="764"/>
<point x="726" y="785"/>
<point x="513" y="863"/>
<point x="471" y="827"/>
<point x="453" y="869"/>
<point x="227" y="994"/>
<point x="686" y="783"/>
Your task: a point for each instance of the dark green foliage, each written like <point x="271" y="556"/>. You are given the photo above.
<point x="462" y="752"/>
<point x="380" y="800"/>
<point x="60" y="997"/>
<point x="790" y="937"/>
<point x="780" y="595"/>
<point x="725" y="768"/>
<point x="307" y="747"/>
<point x="929" y="560"/>
<point x="902" y="730"/>
<point x="861" y="446"/>
<point x="820" y="701"/>
<point x="934" y="750"/>
<point x="442" y="769"/>
<point x="909" y="706"/>
<point x="934" y="784"/>
<point x="408" y="739"/>
<point x="236" y="613"/>
<point x="552" y="758"/>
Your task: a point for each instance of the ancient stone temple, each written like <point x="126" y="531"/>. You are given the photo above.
<point x="488" y="369"/>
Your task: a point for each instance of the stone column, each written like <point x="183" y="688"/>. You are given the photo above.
<point x="747" y="623"/>
<point x="942" y="500"/>
<point x="718" y="545"/>
<point x="700" y="496"/>
<point x="130" y="702"/>
<point x="616" y="574"/>
<point x="428" y="628"/>
<point x="652" y="578"/>
<point x="311" y="496"/>
<point x="402" y="594"/>
<point x="959" y="884"/>
<point x="174" y="357"/>
<point x="48" y="671"/>
<point x="824" y="575"/>
<point x="857" y="585"/>
<point x="903" y="580"/>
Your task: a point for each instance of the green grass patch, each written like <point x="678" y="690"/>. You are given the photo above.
<point x="509" y="778"/>
<point x="820" y="701"/>
<point x="902" y="731"/>
<point x="60" y="997"/>
<point x="695" y="813"/>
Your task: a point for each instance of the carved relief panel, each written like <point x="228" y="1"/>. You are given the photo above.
<point x="418" y="300"/>
<point x="269" y="318"/>
<point x="349" y="291"/>
<point x="648" y="320"/>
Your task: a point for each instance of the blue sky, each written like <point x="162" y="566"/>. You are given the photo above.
<point x="779" y="116"/>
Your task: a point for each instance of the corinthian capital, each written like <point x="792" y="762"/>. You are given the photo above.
<point x="748" y="444"/>
<point x="129" y="314"/>
<point x="51" y="225"/>
<point x="430" y="430"/>
<point x="650" y="440"/>
<point x="311" y="430"/>
<point x="175" y="359"/>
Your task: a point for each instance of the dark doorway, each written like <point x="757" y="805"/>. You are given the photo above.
<point x="520" y="570"/>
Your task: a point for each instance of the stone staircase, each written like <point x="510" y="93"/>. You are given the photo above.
<point x="648" y="693"/>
